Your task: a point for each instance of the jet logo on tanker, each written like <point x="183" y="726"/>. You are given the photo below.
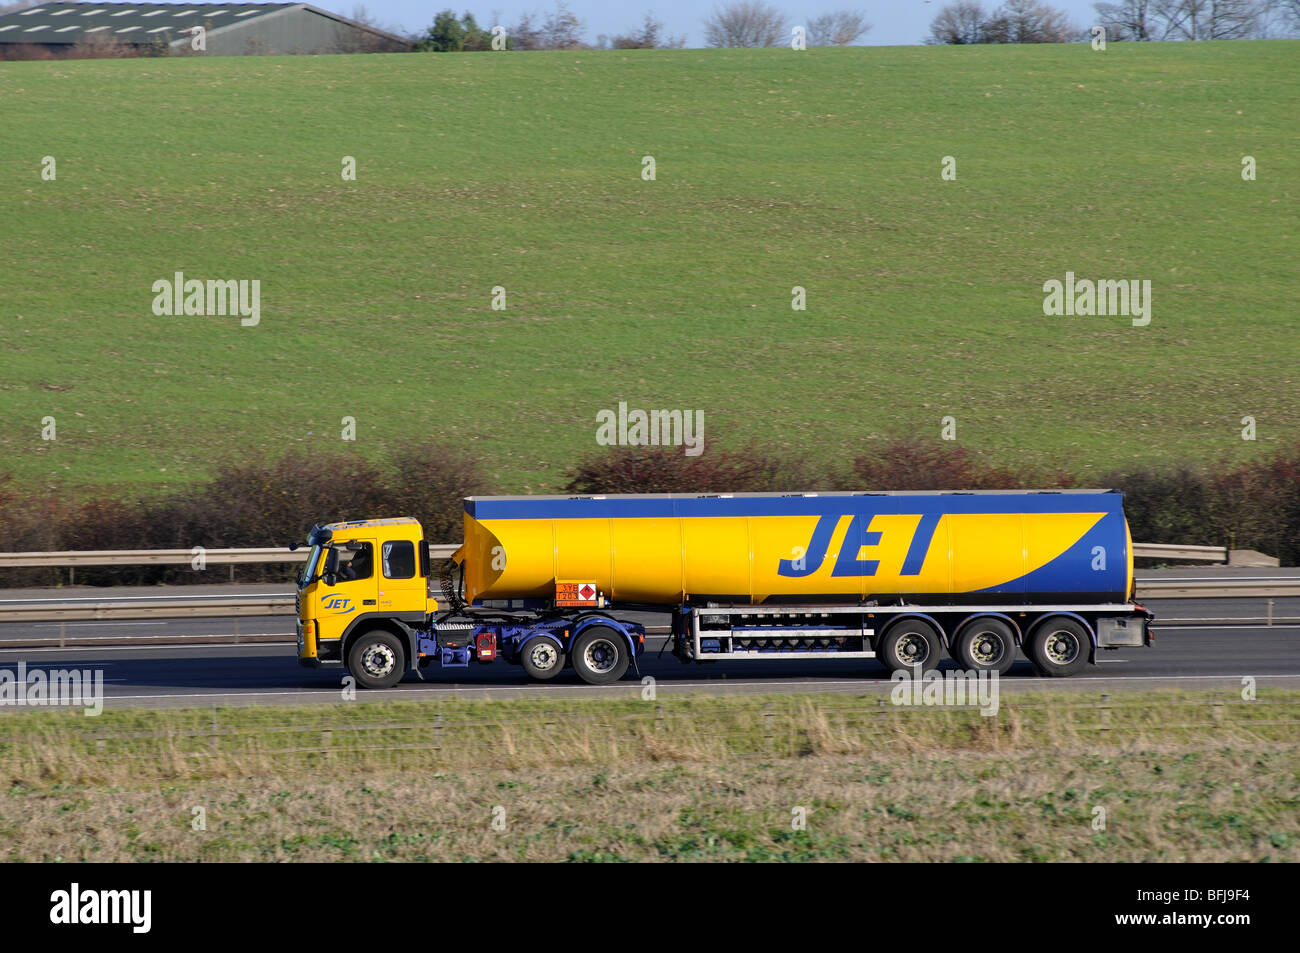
<point x="848" y="563"/>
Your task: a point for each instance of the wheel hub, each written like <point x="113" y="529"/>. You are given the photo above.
<point x="601" y="656"/>
<point x="912" y="650"/>
<point x="378" y="660"/>
<point x="1062" y="647"/>
<point x="543" y="656"/>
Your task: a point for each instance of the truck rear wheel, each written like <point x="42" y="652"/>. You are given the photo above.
<point x="377" y="659"/>
<point x="542" y="658"/>
<point x="909" y="643"/>
<point x="600" y="655"/>
<point x="1059" y="647"/>
<point x="985" y="645"/>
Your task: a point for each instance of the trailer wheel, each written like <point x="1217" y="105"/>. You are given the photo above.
<point x="985" y="645"/>
<point x="542" y="658"/>
<point x="1059" y="647"/>
<point x="600" y="655"/>
<point x="377" y="659"/>
<point x="909" y="643"/>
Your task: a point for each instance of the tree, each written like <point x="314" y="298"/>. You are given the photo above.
<point x="1290" y="10"/>
<point x="958" y="23"/>
<point x="446" y="35"/>
<point x="1211" y="19"/>
<point x="1278" y="18"/>
<point x="559" y="30"/>
<point x="525" y="35"/>
<point x="841" y="28"/>
<point x="746" y="23"/>
<point x="452" y="34"/>
<point x="1130" y="20"/>
<point x="96" y="46"/>
<point x="650" y="37"/>
<point x="1028" y="21"/>
<point x="1016" y="21"/>
<point x="477" y="39"/>
<point x="1194" y="19"/>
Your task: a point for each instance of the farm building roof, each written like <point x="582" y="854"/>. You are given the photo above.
<point x="60" y="23"/>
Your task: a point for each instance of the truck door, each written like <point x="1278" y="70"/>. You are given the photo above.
<point x="401" y="586"/>
<point x="353" y="592"/>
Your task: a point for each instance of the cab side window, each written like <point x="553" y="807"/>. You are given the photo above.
<point x="356" y="565"/>
<point x="399" y="559"/>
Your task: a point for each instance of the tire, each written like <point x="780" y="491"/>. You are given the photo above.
<point x="542" y="658"/>
<point x="907" y="643"/>
<point x="985" y="645"/>
<point x="600" y="655"/>
<point x="377" y="659"/>
<point x="1059" y="647"/>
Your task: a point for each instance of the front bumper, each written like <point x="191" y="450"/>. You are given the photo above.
<point x="328" y="652"/>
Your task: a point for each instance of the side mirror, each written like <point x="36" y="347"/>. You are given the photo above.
<point x="294" y="546"/>
<point x="331" y="579"/>
<point x="330" y="575"/>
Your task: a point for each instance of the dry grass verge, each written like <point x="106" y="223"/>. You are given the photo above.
<point x="1179" y="777"/>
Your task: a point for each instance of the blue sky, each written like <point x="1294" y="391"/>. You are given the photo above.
<point x="900" y="23"/>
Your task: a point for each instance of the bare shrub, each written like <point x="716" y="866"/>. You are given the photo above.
<point x="746" y="23"/>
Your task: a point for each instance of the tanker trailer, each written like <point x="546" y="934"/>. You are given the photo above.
<point x="899" y="577"/>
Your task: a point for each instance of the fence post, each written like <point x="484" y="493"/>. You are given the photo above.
<point x="769" y="733"/>
<point x="1216" y="709"/>
<point x="1105" y="711"/>
<point x="1270" y="613"/>
<point x="659" y="719"/>
<point x="437" y="731"/>
<point x="212" y="738"/>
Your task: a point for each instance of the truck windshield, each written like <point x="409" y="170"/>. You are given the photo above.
<point x="312" y="558"/>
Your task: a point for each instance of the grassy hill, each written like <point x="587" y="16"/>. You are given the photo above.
<point x="774" y="169"/>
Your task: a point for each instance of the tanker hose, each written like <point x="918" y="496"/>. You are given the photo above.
<point x="451" y="592"/>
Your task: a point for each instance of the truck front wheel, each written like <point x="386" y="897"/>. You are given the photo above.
<point x="542" y="658"/>
<point x="1059" y="647"/>
<point x="600" y="655"/>
<point x="377" y="660"/>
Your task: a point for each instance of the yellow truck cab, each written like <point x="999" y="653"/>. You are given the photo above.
<point x="362" y="596"/>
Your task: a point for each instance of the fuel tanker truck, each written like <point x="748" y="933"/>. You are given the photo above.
<point x="547" y="582"/>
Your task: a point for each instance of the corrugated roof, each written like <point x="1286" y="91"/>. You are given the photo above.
<point x="128" y="22"/>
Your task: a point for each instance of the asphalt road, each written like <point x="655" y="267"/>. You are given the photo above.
<point x="176" y="662"/>
<point x="204" y="675"/>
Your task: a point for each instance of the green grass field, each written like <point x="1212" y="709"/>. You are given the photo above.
<point x="1180" y="776"/>
<point x="774" y="169"/>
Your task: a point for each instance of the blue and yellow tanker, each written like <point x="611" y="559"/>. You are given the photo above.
<point x="762" y="549"/>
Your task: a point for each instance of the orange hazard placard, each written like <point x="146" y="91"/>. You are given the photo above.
<point x="575" y="593"/>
